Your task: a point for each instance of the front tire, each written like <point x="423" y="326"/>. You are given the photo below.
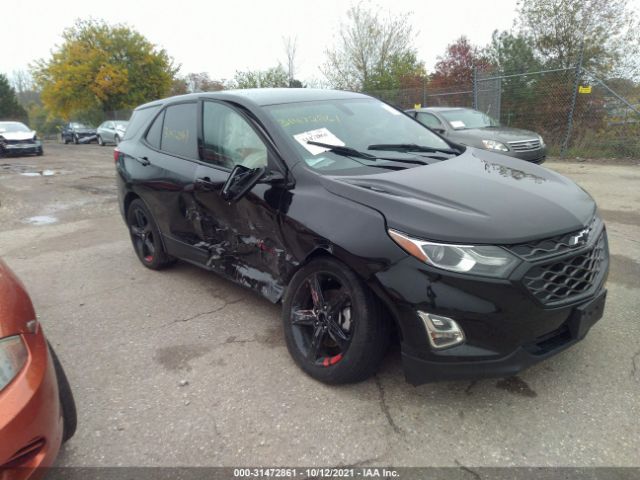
<point x="333" y="324"/>
<point x="76" y="140"/>
<point x="145" y="237"/>
<point x="100" y="141"/>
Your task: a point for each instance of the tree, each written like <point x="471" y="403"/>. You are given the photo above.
<point x="271" y="78"/>
<point x="373" y="52"/>
<point x="200" y="82"/>
<point x="512" y="53"/>
<point x="290" y="48"/>
<point x="103" y="67"/>
<point x="10" y="109"/>
<point x="608" y="29"/>
<point x="455" y="68"/>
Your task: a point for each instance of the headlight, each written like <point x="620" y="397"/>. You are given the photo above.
<point x="13" y="356"/>
<point x="483" y="260"/>
<point x="494" y="145"/>
<point x="541" y="140"/>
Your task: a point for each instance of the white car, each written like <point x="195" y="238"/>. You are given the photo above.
<point x="18" y="139"/>
<point x="111" y="131"/>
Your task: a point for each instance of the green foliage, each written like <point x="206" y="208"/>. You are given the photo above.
<point x="558" y="29"/>
<point x="10" y="109"/>
<point x="271" y="78"/>
<point x="100" y="67"/>
<point x="512" y="53"/>
<point x="373" y="52"/>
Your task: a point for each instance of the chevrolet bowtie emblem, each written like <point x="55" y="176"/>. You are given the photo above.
<point x="579" y="239"/>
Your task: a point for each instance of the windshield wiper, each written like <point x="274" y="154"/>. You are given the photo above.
<point x="410" y="147"/>
<point x="352" y="152"/>
<point x="342" y="150"/>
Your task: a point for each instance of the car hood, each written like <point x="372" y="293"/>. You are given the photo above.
<point x="15" y="306"/>
<point x="18" y="135"/>
<point x="478" y="197"/>
<point x="501" y="134"/>
<point x="84" y="130"/>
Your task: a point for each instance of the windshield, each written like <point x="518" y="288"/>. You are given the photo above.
<point x="464" y="118"/>
<point x="356" y="123"/>
<point x="79" y="125"/>
<point x="10" y="127"/>
<point x="120" y="123"/>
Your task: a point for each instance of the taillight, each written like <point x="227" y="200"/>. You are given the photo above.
<point x="116" y="155"/>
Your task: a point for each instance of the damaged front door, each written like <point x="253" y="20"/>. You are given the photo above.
<point x="241" y="238"/>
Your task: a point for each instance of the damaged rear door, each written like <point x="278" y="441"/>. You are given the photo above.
<point x="240" y="239"/>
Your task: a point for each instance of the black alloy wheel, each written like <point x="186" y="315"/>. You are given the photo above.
<point x="333" y="324"/>
<point x="146" y="237"/>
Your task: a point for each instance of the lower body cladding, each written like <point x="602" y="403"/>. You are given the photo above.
<point x="460" y="327"/>
<point x="31" y="424"/>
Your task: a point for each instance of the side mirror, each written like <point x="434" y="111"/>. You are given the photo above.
<point x="240" y="181"/>
<point x="441" y="131"/>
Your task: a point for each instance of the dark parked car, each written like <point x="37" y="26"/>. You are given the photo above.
<point x="18" y="139"/>
<point x="78" y="133"/>
<point x="111" y="131"/>
<point x="470" y="127"/>
<point x="361" y="221"/>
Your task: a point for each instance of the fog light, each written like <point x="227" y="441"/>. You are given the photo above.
<point x="443" y="332"/>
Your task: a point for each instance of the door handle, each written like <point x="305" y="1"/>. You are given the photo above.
<point x="143" y="160"/>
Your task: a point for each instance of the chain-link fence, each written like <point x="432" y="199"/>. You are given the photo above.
<point x="577" y="113"/>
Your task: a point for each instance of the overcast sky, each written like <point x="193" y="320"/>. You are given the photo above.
<point x="222" y="37"/>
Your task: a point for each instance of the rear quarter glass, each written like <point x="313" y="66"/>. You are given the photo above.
<point x="139" y="120"/>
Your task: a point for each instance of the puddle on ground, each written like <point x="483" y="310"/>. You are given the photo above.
<point x="41" y="220"/>
<point x="41" y="173"/>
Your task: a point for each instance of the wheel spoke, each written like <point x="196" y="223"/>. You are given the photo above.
<point x="140" y="219"/>
<point x="137" y="231"/>
<point x="338" y="335"/>
<point x="151" y="249"/>
<point x="316" y="342"/>
<point x="304" y="317"/>
<point x="316" y="292"/>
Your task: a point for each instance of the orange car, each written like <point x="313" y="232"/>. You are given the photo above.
<point x="37" y="410"/>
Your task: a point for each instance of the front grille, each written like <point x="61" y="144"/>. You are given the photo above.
<point x="569" y="277"/>
<point x="19" y="142"/>
<point x="525" y="145"/>
<point x="550" y="247"/>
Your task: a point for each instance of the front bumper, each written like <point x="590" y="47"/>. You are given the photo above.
<point x="30" y="415"/>
<point x="21" y="148"/>
<point x="506" y="327"/>
<point x="419" y="370"/>
<point x="539" y="155"/>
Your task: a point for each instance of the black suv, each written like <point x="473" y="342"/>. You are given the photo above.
<point x="362" y="221"/>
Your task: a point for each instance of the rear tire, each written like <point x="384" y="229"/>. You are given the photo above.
<point x="145" y="237"/>
<point x="355" y="334"/>
<point x="67" y="403"/>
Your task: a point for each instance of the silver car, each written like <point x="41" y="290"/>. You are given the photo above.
<point x="111" y="131"/>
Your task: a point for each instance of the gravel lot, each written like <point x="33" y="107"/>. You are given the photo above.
<point x="181" y="367"/>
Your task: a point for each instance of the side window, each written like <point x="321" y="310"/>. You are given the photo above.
<point x="428" y="120"/>
<point x="179" y="130"/>
<point x="110" y="125"/>
<point x="154" y="133"/>
<point x="229" y="139"/>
